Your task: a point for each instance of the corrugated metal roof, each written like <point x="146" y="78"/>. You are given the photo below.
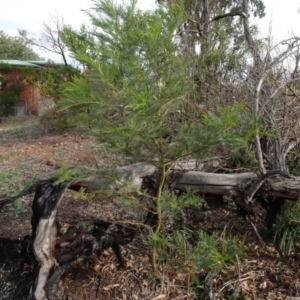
<point x="44" y="63"/>
<point x="19" y="63"/>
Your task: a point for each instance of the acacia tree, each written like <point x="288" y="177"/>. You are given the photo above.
<point x="78" y="41"/>
<point x="135" y="82"/>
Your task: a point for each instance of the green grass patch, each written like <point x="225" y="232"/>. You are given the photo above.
<point x="7" y="176"/>
<point x="287" y="227"/>
<point x="10" y="185"/>
<point x="8" y="156"/>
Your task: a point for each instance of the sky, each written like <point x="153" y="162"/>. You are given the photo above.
<point x="30" y="14"/>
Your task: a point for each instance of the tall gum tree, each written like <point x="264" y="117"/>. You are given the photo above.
<point x="213" y="34"/>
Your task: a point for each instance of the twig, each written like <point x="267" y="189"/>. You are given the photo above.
<point x="208" y="285"/>
<point x="255" y="229"/>
<point x="230" y="282"/>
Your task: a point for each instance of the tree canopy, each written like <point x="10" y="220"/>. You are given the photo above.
<point x="16" y="48"/>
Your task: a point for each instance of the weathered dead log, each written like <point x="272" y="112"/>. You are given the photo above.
<point x="215" y="184"/>
<point x="72" y="246"/>
<point x="125" y="178"/>
<point x="44" y="209"/>
<point x="235" y="184"/>
<point x="131" y="178"/>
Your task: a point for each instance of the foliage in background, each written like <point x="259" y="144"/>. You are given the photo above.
<point x="52" y="78"/>
<point x="51" y="81"/>
<point x="213" y="35"/>
<point x="11" y="87"/>
<point x="7" y="101"/>
<point x="15" y="48"/>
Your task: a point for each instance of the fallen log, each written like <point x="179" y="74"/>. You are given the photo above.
<point x="130" y="178"/>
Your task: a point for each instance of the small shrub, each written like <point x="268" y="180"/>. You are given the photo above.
<point x="212" y="252"/>
<point x="16" y="208"/>
<point x="287" y="227"/>
<point x="7" y="177"/>
<point x="181" y="252"/>
<point x="55" y="120"/>
<point x="7" y="101"/>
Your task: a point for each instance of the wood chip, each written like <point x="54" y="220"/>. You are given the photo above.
<point x="111" y="286"/>
<point x="159" y="297"/>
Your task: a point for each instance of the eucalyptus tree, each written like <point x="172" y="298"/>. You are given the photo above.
<point x="214" y="34"/>
<point x="203" y="14"/>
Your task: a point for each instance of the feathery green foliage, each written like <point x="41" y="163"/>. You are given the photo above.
<point x="287" y="227"/>
<point x="181" y="251"/>
<point x="133" y="94"/>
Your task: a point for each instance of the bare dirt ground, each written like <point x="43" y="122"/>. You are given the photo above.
<point x="27" y="155"/>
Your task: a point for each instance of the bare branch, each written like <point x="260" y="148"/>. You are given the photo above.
<point x="230" y="14"/>
<point x="50" y="37"/>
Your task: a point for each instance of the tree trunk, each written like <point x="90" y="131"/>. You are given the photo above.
<point x="130" y="178"/>
<point x="44" y="232"/>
